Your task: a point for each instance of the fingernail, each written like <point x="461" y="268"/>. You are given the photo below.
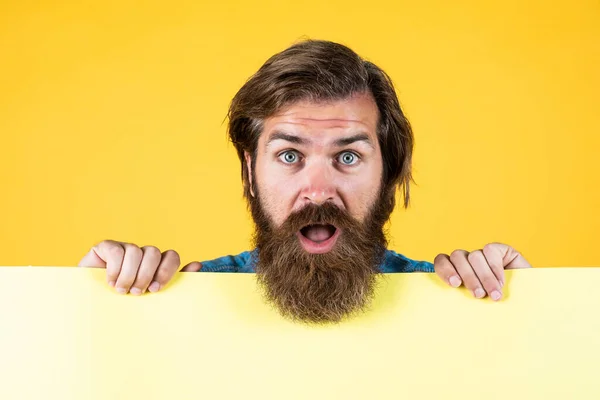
<point x="154" y="287"/>
<point x="121" y="290"/>
<point x="455" y="281"/>
<point x="501" y="284"/>
<point x="496" y="295"/>
<point x="479" y="293"/>
<point x="111" y="283"/>
<point x="135" y="291"/>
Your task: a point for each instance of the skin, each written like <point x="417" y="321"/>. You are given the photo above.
<point x="290" y="175"/>
<point x="300" y="159"/>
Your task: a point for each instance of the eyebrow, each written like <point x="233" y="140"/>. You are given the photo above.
<point x="359" y="137"/>
<point x="287" y="137"/>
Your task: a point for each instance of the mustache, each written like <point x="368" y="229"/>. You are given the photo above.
<point x="317" y="214"/>
<point x="318" y="288"/>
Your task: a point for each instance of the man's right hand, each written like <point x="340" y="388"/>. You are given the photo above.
<point x="132" y="269"/>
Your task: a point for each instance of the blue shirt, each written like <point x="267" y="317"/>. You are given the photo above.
<point x="246" y="261"/>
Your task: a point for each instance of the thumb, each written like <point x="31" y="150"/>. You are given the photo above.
<point x="192" y="267"/>
<point x="511" y="258"/>
<point x="92" y="260"/>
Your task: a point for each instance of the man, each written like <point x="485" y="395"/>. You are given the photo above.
<point x="324" y="146"/>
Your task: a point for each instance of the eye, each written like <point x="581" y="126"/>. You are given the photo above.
<point x="289" y="157"/>
<point x="348" y="158"/>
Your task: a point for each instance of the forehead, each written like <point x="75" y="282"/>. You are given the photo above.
<point x="325" y="119"/>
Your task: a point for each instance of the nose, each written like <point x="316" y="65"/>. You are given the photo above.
<point x="319" y="186"/>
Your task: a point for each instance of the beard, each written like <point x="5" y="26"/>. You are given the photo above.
<point x="326" y="287"/>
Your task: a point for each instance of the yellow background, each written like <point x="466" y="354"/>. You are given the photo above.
<point x="66" y="336"/>
<point x="112" y="121"/>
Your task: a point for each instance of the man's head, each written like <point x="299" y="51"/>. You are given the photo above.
<point x="323" y="145"/>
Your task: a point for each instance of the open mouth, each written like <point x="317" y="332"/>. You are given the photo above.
<point x="318" y="238"/>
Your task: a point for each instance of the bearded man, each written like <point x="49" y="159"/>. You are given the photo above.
<point x="324" y="146"/>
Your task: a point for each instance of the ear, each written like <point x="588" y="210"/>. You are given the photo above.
<point x="248" y="158"/>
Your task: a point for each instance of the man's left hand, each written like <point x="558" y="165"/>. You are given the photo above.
<point x="481" y="271"/>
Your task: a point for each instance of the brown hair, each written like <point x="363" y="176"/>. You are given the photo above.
<point x="319" y="288"/>
<point x="318" y="70"/>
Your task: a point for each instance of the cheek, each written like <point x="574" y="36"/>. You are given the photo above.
<point x="361" y="194"/>
<point x="276" y="197"/>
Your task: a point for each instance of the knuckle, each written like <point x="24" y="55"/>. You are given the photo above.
<point x="127" y="276"/>
<point x="114" y="250"/>
<point x="457" y="254"/>
<point x="490" y="284"/>
<point x="133" y="249"/>
<point x="164" y="274"/>
<point x="112" y="277"/>
<point x="439" y="258"/>
<point x="470" y="283"/>
<point x="471" y="257"/>
<point x="489" y="247"/>
<point x="143" y="278"/>
<point x="474" y="255"/>
<point x="125" y="281"/>
<point x="151" y="251"/>
<point x="106" y="243"/>
<point x="172" y="256"/>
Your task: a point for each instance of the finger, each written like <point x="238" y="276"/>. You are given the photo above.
<point x="192" y="267"/>
<point x="468" y="276"/>
<point x="92" y="260"/>
<point x="511" y="258"/>
<point x="169" y="264"/>
<point x="484" y="273"/>
<point x="516" y="260"/>
<point x="151" y="257"/>
<point x="493" y="256"/>
<point x="129" y="269"/>
<point x="112" y="253"/>
<point x="446" y="271"/>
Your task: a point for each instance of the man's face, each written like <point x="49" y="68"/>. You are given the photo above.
<point x="316" y="153"/>
<point x="318" y="207"/>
